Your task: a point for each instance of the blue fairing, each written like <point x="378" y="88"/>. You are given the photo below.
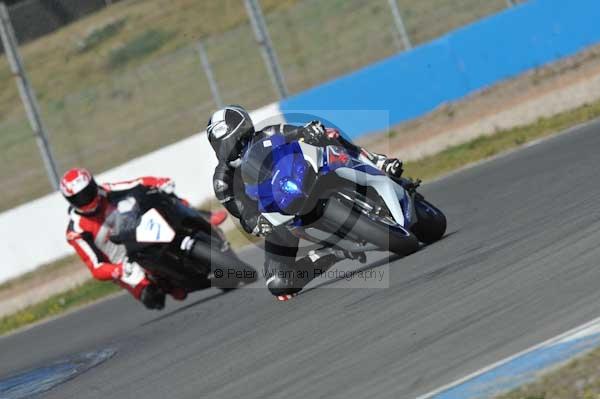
<point x="406" y="209"/>
<point x="276" y="173"/>
<point x="284" y="180"/>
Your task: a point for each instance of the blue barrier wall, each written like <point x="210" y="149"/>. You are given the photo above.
<point x="471" y="58"/>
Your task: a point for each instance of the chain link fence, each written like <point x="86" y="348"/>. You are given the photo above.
<point x="132" y="110"/>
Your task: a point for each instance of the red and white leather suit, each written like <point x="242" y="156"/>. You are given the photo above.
<point x="89" y="236"/>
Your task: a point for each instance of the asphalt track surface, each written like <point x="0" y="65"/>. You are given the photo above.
<point x="518" y="266"/>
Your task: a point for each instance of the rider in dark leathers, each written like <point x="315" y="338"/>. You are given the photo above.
<point x="229" y="131"/>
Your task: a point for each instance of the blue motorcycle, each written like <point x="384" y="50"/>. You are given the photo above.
<point x="330" y="196"/>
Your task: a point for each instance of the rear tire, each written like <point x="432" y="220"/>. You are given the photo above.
<point x="431" y="222"/>
<point x="341" y="219"/>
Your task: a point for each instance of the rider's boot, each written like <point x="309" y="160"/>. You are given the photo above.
<point x="306" y="269"/>
<point x="153" y="297"/>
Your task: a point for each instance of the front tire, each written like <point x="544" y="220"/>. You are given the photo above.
<point x="431" y="222"/>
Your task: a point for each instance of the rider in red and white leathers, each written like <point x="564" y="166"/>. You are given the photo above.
<point x="88" y="233"/>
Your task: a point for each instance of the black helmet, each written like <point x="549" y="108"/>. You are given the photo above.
<point x="229" y="130"/>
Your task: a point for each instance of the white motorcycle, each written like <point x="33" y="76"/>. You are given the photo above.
<point x="328" y="195"/>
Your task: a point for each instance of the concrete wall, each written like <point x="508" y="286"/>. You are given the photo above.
<point x="34" y="233"/>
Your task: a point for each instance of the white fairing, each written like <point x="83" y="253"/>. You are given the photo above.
<point x="154" y="228"/>
<point x="385" y="187"/>
<point x="313" y="155"/>
<point x="277" y="219"/>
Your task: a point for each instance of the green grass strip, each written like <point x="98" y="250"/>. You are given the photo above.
<point x="87" y="292"/>
<point x="426" y="168"/>
<point x="488" y="146"/>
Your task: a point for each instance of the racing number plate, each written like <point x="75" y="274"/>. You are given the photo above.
<point x="154" y="228"/>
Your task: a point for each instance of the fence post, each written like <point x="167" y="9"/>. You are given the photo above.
<point x="27" y="95"/>
<point x="212" y="83"/>
<point x="400" y="27"/>
<point x="266" y="46"/>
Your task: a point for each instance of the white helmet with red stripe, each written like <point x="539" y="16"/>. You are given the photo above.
<point x="80" y="189"/>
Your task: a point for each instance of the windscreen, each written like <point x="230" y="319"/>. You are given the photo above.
<point x="274" y="173"/>
<point x="257" y="165"/>
<point x="124" y="220"/>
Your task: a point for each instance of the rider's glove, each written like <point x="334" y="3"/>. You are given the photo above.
<point x="391" y="166"/>
<point x="129" y="272"/>
<point x="263" y="227"/>
<point x="315" y="131"/>
<point x="315" y="127"/>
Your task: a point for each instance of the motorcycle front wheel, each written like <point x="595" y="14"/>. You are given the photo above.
<point x="431" y="222"/>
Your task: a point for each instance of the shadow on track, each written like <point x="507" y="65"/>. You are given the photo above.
<point x="370" y="266"/>
<point x="381" y="262"/>
<point x="186" y="307"/>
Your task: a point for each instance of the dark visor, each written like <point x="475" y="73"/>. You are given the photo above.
<point x="85" y="196"/>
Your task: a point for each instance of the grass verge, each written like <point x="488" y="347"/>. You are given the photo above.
<point x="57" y="304"/>
<point x="577" y="379"/>
<point x="139" y="47"/>
<point x="427" y="168"/>
<point x="488" y="146"/>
